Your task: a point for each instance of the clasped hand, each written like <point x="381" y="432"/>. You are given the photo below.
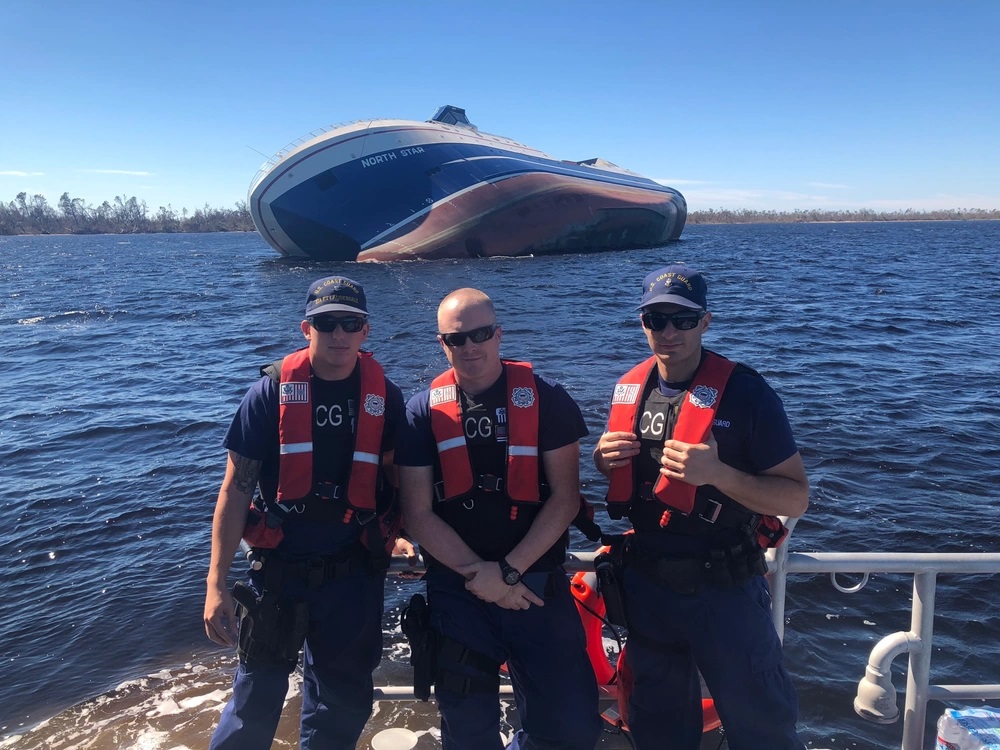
<point x="485" y="581"/>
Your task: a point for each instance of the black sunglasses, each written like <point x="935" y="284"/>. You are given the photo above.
<point x="682" y="321"/>
<point x="478" y="336"/>
<point x="329" y="324"/>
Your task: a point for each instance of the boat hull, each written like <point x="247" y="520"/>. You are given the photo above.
<point x="400" y="190"/>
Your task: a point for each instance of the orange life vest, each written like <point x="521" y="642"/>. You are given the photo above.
<point x="295" y="423"/>
<point x="694" y="423"/>
<point x="521" y="482"/>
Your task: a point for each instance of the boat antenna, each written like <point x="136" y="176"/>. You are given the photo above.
<point x="258" y="152"/>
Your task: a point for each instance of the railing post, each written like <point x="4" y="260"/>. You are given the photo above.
<point x="918" y="674"/>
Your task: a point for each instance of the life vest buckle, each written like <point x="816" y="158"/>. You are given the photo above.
<point x="490" y="483"/>
<point x="365" y="517"/>
<point x="439" y="495"/>
<point x="713" y="508"/>
<point x="328" y="491"/>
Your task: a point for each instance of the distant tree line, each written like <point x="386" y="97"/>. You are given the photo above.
<point x="749" y="216"/>
<point x="33" y="215"/>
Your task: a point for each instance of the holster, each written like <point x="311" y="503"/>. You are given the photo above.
<point x="270" y="632"/>
<point x="415" y="622"/>
<point x="609" y="585"/>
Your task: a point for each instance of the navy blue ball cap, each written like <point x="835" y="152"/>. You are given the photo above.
<point x="336" y="294"/>
<point x="676" y="284"/>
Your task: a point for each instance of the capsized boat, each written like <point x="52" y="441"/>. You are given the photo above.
<point x="386" y="190"/>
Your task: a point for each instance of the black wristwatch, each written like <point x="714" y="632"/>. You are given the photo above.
<point x="511" y="575"/>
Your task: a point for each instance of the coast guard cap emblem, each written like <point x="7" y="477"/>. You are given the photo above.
<point x="374" y="405"/>
<point x="443" y="395"/>
<point x="522" y="397"/>
<point x="703" y="396"/>
<point x="625" y="393"/>
<point x="294" y="393"/>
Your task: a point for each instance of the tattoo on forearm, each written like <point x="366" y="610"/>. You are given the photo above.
<point x="246" y="473"/>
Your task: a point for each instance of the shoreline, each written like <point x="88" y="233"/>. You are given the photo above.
<point x="693" y="220"/>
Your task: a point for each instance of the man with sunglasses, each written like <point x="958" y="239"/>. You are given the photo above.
<point x="701" y="460"/>
<point x="314" y="440"/>
<point x="489" y="476"/>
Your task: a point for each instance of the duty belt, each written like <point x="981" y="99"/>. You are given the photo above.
<point x="720" y="568"/>
<point x="316" y="570"/>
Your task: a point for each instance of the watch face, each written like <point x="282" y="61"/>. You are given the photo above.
<point x="511" y="575"/>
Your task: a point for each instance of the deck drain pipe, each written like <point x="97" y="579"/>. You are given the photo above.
<point x="876" y="698"/>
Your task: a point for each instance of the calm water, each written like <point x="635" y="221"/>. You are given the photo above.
<point x="124" y="358"/>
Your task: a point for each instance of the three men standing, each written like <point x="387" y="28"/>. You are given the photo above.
<point x="700" y="458"/>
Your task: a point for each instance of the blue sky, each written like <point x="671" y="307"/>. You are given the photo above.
<point x="771" y="105"/>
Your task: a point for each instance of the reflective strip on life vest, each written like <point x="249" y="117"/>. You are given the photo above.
<point x="447" y="445"/>
<point x="522" y="450"/>
<point x="296" y="448"/>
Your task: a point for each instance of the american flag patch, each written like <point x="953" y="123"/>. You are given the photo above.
<point x="443" y="395"/>
<point x="625" y="393"/>
<point x="295" y="393"/>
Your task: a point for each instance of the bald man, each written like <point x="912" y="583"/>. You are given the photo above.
<point x="489" y="474"/>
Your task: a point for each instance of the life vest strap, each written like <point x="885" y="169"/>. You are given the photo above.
<point x="486" y="483"/>
<point x="713" y="512"/>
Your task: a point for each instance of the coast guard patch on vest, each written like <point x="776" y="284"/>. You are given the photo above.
<point x="294" y="393"/>
<point x="625" y="393"/>
<point x="443" y="395"/>
<point x="522" y="397"/>
<point x="703" y="396"/>
<point x="374" y="405"/>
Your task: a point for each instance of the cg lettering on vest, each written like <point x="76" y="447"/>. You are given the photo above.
<point x="651" y="424"/>
<point x="481" y="427"/>
<point x="329" y="416"/>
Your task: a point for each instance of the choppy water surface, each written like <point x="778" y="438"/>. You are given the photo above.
<point x="124" y="358"/>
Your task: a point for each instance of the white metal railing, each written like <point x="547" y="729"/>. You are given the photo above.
<point x="876" y="698"/>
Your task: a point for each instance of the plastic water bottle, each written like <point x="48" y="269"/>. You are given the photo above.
<point x="951" y="735"/>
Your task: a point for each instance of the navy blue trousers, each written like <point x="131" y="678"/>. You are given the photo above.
<point x="342" y="648"/>
<point x="544" y="647"/>
<point x="727" y="634"/>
